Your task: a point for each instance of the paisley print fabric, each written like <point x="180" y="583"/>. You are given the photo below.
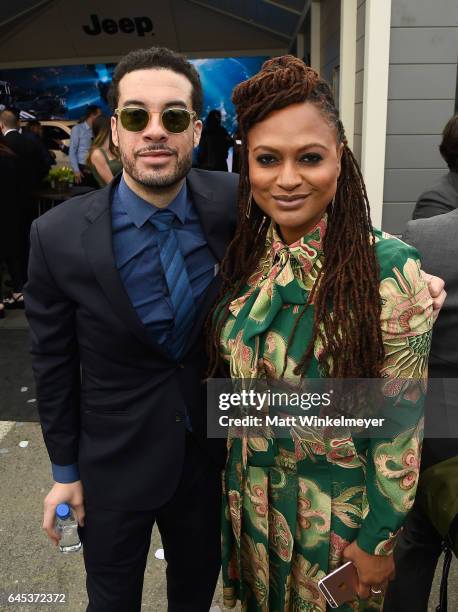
<point x="292" y="505"/>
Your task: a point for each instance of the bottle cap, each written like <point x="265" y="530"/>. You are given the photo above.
<point x="63" y="511"/>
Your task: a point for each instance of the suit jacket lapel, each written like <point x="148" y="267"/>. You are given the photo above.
<point x="218" y="235"/>
<point x="98" y="243"/>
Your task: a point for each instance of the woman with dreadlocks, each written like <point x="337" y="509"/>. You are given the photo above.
<point x="311" y="290"/>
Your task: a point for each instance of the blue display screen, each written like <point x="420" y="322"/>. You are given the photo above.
<point x="63" y="92"/>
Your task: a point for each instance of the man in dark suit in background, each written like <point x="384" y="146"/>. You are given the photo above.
<point x="32" y="168"/>
<point x="120" y="284"/>
<point x="442" y="197"/>
<point x="34" y="131"/>
<point x="434" y="233"/>
<point x="419" y="546"/>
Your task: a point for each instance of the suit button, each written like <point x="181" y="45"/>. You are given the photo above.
<point x="178" y="418"/>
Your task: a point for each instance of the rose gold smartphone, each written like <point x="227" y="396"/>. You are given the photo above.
<point x="340" y="585"/>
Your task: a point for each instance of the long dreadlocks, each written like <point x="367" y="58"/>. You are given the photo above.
<point x="349" y="279"/>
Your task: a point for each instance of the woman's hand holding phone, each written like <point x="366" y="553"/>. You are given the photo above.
<point x="374" y="571"/>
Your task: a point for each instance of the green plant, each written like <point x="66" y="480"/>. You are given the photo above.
<point x="63" y="174"/>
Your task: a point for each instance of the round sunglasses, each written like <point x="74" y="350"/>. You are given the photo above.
<point x="174" y="120"/>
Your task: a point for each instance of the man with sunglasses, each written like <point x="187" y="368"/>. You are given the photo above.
<point x="120" y="284"/>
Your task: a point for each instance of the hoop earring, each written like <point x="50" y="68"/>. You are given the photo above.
<point x="248" y="209"/>
<point x="332" y="203"/>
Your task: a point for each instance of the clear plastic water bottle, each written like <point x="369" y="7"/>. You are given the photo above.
<point x="67" y="528"/>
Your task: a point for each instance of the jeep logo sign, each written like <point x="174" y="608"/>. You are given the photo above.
<point x="141" y="25"/>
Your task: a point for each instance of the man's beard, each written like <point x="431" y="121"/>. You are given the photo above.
<point x="154" y="178"/>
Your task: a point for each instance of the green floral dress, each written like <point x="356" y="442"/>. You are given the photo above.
<point x="290" y="506"/>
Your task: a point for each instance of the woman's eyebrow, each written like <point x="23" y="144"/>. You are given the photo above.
<point x="306" y="146"/>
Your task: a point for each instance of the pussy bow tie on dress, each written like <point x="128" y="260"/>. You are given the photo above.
<point x="284" y="276"/>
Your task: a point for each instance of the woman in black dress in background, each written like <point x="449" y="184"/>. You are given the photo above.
<point x="215" y="143"/>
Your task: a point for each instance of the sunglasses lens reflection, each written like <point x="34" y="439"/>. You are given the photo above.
<point x="176" y="120"/>
<point x="134" y="119"/>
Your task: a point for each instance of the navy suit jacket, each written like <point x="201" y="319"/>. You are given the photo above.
<point x="109" y="397"/>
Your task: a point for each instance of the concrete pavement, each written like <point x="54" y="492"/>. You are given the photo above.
<point x="29" y="563"/>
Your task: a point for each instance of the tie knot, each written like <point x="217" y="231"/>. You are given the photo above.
<point x="162" y="220"/>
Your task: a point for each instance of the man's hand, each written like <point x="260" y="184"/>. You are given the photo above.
<point x="78" y="177"/>
<point x="373" y="570"/>
<point x="71" y="494"/>
<point x="436" y="290"/>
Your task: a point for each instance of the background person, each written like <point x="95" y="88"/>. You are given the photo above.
<point x="433" y="233"/>
<point x="103" y="157"/>
<point x="32" y="169"/>
<point x="420" y="544"/>
<point x="10" y="225"/>
<point x="301" y="297"/>
<point x="442" y="197"/>
<point x="214" y="144"/>
<point x="80" y="143"/>
<point x="33" y="130"/>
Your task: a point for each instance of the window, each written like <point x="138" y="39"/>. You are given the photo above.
<point x="335" y="85"/>
<point x="51" y="134"/>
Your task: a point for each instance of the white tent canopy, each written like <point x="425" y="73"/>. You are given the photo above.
<point x="52" y="32"/>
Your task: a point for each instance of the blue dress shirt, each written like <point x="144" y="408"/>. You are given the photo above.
<point x="80" y="143"/>
<point x="136" y="253"/>
<point x="135" y="249"/>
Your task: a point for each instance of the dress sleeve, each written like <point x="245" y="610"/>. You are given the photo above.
<point x="392" y="464"/>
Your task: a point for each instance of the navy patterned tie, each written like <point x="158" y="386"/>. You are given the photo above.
<point x="177" y="279"/>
